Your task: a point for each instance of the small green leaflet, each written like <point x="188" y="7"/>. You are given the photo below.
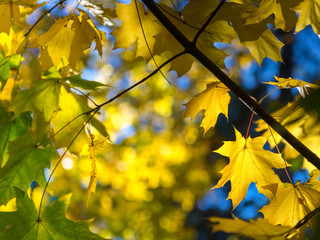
<point x="77" y="81"/>
<point x="52" y="224"/>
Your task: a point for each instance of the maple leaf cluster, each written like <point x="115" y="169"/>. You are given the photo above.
<point x="48" y="111"/>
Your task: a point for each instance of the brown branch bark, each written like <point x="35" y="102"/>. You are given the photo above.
<point x="192" y="49"/>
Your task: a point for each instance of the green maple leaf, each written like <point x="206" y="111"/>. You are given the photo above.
<point x="51" y="225"/>
<point x="25" y="164"/>
<point x="42" y="97"/>
<point x="77" y="81"/>
<point x="11" y="130"/>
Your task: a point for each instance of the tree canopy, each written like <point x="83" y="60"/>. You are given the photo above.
<point x="119" y="118"/>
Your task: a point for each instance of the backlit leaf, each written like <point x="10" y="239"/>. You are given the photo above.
<point x="260" y="229"/>
<point x="26" y="163"/>
<point x="7" y="14"/>
<point x="293" y="202"/>
<point x="214" y="100"/>
<point x="285" y="17"/>
<point x="293" y="83"/>
<point x="69" y="37"/>
<point x="249" y="162"/>
<point x="309" y="14"/>
<point x="130" y="30"/>
<point x="42" y="97"/>
<point x="52" y="224"/>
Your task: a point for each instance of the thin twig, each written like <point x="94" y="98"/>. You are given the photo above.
<point x="194" y="41"/>
<point x="60" y="159"/>
<point x="141" y="81"/>
<point x="147" y="44"/>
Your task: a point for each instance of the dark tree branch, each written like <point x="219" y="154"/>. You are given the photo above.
<point x="191" y="48"/>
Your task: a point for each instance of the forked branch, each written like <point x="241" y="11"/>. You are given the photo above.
<point x="192" y="49"/>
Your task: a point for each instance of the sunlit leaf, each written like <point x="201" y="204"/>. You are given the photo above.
<point x="8" y="13"/>
<point x="293" y="202"/>
<point x="285" y="17"/>
<point x="69" y="37"/>
<point x="293" y="83"/>
<point x="51" y="225"/>
<point x="26" y="163"/>
<point x="260" y="229"/>
<point x="77" y="81"/>
<point x="43" y="97"/>
<point x="309" y="14"/>
<point x="214" y="100"/>
<point x="130" y="30"/>
<point x="249" y="162"/>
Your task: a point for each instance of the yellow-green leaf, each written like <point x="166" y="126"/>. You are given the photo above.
<point x="42" y="97"/>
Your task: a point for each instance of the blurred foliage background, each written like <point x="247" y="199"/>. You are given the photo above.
<point x="155" y="175"/>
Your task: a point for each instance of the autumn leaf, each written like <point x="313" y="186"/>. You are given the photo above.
<point x="293" y="83"/>
<point x="52" y="224"/>
<point x="285" y="17"/>
<point x="249" y="162"/>
<point x="291" y="202"/>
<point x="214" y="100"/>
<point x="257" y="37"/>
<point x="130" y="30"/>
<point x="259" y="229"/>
<point x="26" y="163"/>
<point x="68" y="37"/>
<point x="7" y="14"/>
<point x="309" y="14"/>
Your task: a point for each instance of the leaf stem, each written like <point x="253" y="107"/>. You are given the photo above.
<point x="60" y="159"/>
<point x="147" y="44"/>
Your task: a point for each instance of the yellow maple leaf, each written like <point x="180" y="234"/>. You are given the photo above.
<point x="291" y="202"/>
<point x="7" y="13"/>
<point x="100" y="144"/>
<point x="214" y="100"/>
<point x="285" y="17"/>
<point x="69" y="37"/>
<point x="130" y="30"/>
<point x="249" y="162"/>
<point x="260" y="229"/>
<point x="257" y="37"/>
<point x="309" y="14"/>
<point x="293" y="83"/>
